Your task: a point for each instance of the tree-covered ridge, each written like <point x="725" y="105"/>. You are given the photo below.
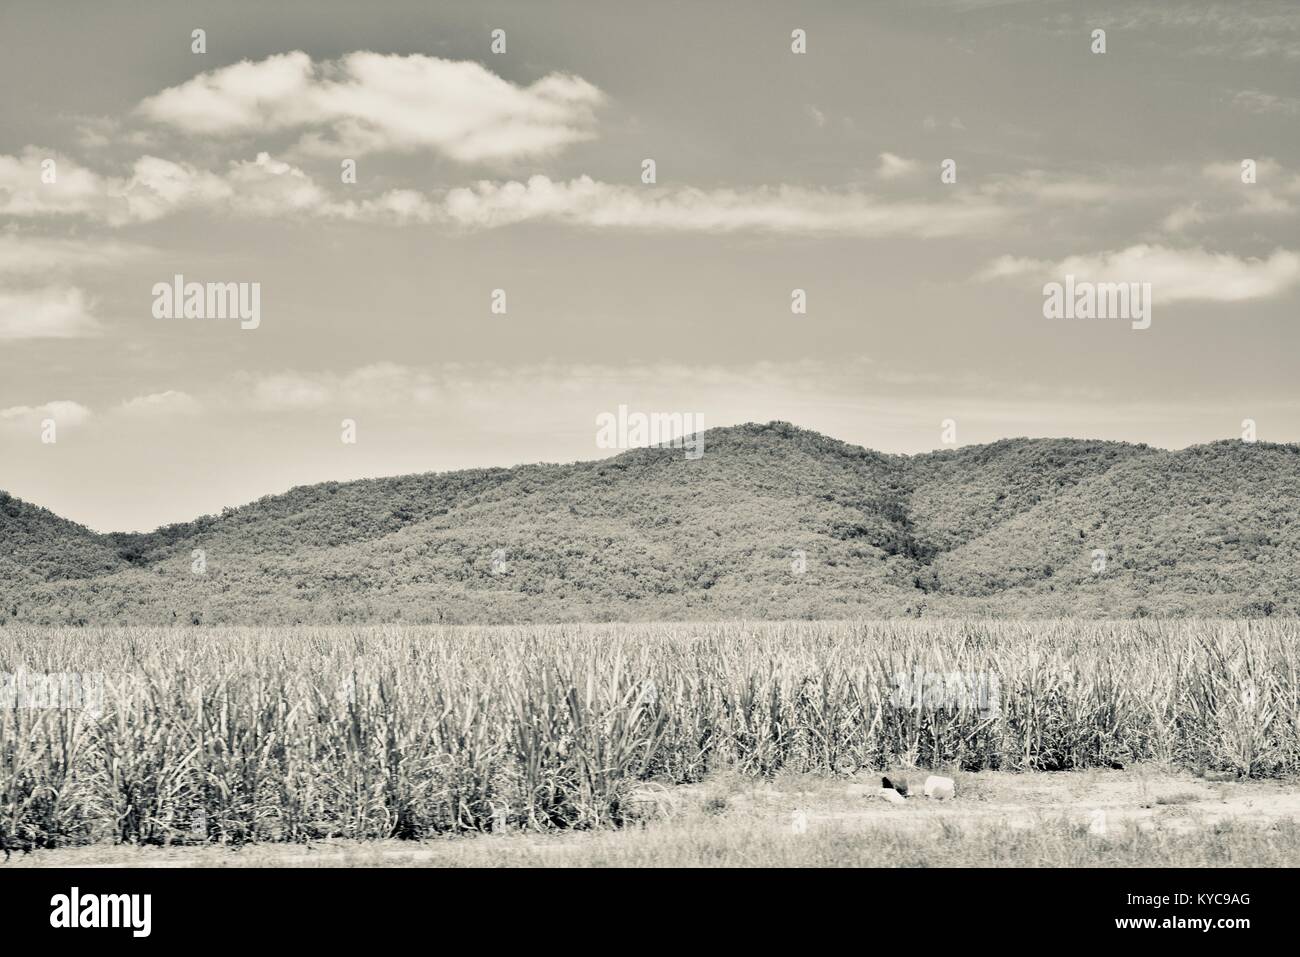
<point x="772" y="522"/>
<point x="36" y="546"/>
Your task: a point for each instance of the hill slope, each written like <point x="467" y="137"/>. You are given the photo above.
<point x="773" y="521"/>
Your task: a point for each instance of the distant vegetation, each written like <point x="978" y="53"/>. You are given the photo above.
<point x="294" y="734"/>
<point x="1009" y="529"/>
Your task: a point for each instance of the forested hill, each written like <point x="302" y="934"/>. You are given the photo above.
<point x="772" y="522"/>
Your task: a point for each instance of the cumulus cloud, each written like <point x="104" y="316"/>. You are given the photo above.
<point x="158" y="187"/>
<point x="1175" y="274"/>
<point x="155" y="188"/>
<point x="54" y="312"/>
<point x="258" y="187"/>
<point x="267" y="187"/>
<point x="783" y="209"/>
<point x="397" y="206"/>
<point x="160" y="405"/>
<point x="894" y="167"/>
<point x="28" y="418"/>
<point x="590" y="203"/>
<point x="367" y="102"/>
<point x="74" y="191"/>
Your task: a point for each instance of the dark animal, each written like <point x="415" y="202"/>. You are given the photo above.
<point x="900" y="787"/>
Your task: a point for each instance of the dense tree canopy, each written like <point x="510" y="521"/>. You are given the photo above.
<point x="772" y="522"/>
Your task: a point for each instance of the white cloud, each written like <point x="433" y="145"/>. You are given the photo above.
<point x="55" y="312"/>
<point x="782" y="209"/>
<point x="1260" y="197"/>
<point x="262" y="187"/>
<point x="28" y="418"/>
<point x="1264" y="28"/>
<point x="394" y="206"/>
<point x="75" y="190"/>
<point x="1189" y="214"/>
<point x="289" y="391"/>
<point x="384" y="383"/>
<point x="155" y="188"/>
<point x="1264" y="202"/>
<point x="160" y="405"/>
<point x="1230" y="172"/>
<point x="894" y="167"/>
<point x="159" y="187"/>
<point x="266" y="187"/>
<point x="1044" y="187"/>
<point x="1175" y="274"/>
<point x="269" y="187"/>
<point x="381" y="385"/>
<point x="1229" y="196"/>
<point x="1257" y="101"/>
<point x="366" y="102"/>
<point x="241" y="97"/>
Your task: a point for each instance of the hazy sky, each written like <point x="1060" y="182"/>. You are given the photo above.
<point x="522" y="171"/>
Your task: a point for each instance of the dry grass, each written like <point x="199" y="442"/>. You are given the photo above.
<point x="1034" y="819"/>
<point x="300" y="734"/>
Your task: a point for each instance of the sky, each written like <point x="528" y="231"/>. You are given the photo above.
<point x="921" y="171"/>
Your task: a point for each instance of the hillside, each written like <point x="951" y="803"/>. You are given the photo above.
<point x="1007" y="529"/>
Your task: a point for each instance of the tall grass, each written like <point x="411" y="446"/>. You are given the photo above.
<point x="291" y="734"/>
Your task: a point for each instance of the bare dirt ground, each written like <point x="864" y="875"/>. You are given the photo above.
<point x="1146" y="798"/>
<point x="1140" y="816"/>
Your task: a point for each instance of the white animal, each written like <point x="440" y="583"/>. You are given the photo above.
<point x="892" y="796"/>
<point x="798" y="821"/>
<point x="1097" y="826"/>
<point x="939" y="787"/>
